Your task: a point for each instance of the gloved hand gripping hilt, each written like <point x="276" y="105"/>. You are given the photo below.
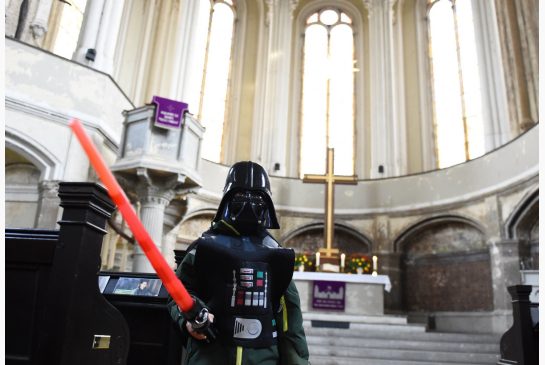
<point x="200" y="322"/>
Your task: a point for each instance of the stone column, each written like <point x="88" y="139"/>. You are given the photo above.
<point x="174" y="214"/>
<point x="39" y="23"/>
<point x="390" y="264"/>
<point x="48" y="204"/>
<point x="495" y="109"/>
<point x="385" y="136"/>
<point x="505" y="269"/>
<point x="146" y="46"/>
<point x="273" y="114"/>
<point x="154" y="194"/>
<point x="89" y="30"/>
<point x="107" y="35"/>
<point x="185" y="52"/>
<point x="153" y="201"/>
<point x="518" y="32"/>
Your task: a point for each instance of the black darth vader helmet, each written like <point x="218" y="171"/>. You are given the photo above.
<point x="247" y="197"/>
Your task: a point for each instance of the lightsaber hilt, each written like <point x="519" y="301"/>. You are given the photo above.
<point x="199" y="319"/>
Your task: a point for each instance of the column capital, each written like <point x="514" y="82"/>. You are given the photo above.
<point x="49" y="187"/>
<point x="271" y="4"/>
<point x="293" y="6"/>
<point x="153" y="188"/>
<point x="38" y="26"/>
<point x="174" y="213"/>
<point x="370" y="5"/>
<point x="504" y="246"/>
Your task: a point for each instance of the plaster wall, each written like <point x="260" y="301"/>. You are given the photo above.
<point x="440" y="190"/>
<point x="48" y="85"/>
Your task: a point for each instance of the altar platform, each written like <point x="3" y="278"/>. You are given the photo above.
<point x="350" y="294"/>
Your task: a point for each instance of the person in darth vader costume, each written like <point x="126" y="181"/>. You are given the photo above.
<point x="247" y="308"/>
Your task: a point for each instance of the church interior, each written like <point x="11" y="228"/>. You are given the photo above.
<point x="400" y="136"/>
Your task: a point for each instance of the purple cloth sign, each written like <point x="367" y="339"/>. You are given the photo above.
<point x="328" y="295"/>
<point x="169" y="113"/>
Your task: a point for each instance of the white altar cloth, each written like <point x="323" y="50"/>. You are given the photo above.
<point x="347" y="278"/>
<point x="364" y="293"/>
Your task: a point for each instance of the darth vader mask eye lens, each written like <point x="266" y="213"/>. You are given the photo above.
<point x="247" y="207"/>
<point x="236" y="206"/>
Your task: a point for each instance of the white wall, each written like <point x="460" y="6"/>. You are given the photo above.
<point x="513" y="163"/>
<point x="43" y="92"/>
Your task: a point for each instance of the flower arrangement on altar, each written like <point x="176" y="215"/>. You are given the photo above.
<point x="303" y="260"/>
<point x="359" y="265"/>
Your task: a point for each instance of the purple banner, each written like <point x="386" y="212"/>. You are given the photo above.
<point x="169" y="113"/>
<point x="328" y="295"/>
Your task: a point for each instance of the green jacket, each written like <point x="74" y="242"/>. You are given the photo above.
<point x="292" y="346"/>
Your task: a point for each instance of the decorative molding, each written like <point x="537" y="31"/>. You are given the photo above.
<point x="53" y="115"/>
<point x="35" y="152"/>
<point x="22" y="193"/>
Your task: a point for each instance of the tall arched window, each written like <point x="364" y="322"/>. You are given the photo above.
<point x="458" y="117"/>
<point x="327" y="102"/>
<point x="216" y="65"/>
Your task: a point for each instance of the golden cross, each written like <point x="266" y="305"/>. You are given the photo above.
<point x="330" y="180"/>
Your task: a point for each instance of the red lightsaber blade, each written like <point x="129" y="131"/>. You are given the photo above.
<point x="175" y="288"/>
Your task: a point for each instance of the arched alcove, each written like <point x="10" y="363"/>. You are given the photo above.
<point x="22" y="195"/>
<point x="523" y="225"/>
<point x="310" y="238"/>
<point x="444" y="261"/>
<point x="194" y="225"/>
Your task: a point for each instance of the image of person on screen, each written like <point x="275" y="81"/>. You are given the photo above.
<point x="241" y="281"/>
<point x="143" y="288"/>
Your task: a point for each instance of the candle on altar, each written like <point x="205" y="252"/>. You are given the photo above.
<point x="375" y="261"/>
<point x="343" y="257"/>
<point x="317" y="260"/>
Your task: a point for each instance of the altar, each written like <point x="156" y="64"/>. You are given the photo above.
<point x="341" y="293"/>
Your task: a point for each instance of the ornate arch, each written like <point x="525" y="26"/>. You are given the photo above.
<point x="524" y="214"/>
<point x="522" y="225"/>
<point x="443" y="259"/>
<point x="194" y="223"/>
<point x="433" y="221"/>
<point x="33" y="151"/>
<point x="344" y="229"/>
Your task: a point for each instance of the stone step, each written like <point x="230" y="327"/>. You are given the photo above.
<point x="402" y="354"/>
<point x="326" y="360"/>
<point x="348" y="318"/>
<point x="367" y="327"/>
<point x="409" y="344"/>
<point x="387" y="332"/>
